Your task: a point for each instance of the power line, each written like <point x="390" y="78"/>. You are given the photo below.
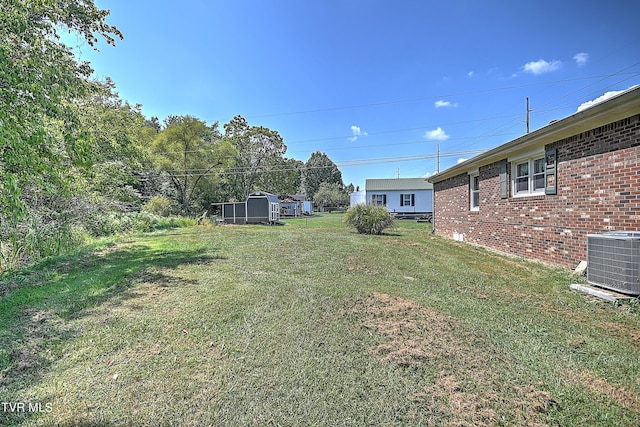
<point x="394" y="144"/>
<point x="498" y="131"/>
<point x="386" y="132"/>
<point x="426" y="98"/>
<point x="514" y="122"/>
<point x="464" y="122"/>
<point x="181" y="173"/>
<point x="490" y="133"/>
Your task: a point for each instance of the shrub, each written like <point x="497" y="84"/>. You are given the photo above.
<point x="161" y="206"/>
<point x="369" y="219"/>
<point x="145" y="222"/>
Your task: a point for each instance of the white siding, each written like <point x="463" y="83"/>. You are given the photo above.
<point x="423" y="200"/>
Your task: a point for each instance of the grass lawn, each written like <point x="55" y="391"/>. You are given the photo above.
<point x="310" y="324"/>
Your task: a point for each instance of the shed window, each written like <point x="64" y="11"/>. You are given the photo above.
<point x="379" y="199"/>
<point x="529" y="177"/>
<point x="407" y="200"/>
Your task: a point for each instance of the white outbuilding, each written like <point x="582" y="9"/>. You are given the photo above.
<point x="404" y="197"/>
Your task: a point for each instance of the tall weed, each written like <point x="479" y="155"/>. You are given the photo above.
<point x="134" y="222"/>
<point x="10" y="254"/>
<point x="34" y="239"/>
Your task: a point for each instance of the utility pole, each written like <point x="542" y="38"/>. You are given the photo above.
<point x="398" y="172"/>
<point x="528" y="111"/>
<point x="438" y="158"/>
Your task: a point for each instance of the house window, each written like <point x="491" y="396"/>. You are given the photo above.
<point x="379" y="199"/>
<point x="407" y="200"/>
<point x="529" y="177"/>
<point x="474" y="192"/>
<point x="550" y="172"/>
<point x="538" y="175"/>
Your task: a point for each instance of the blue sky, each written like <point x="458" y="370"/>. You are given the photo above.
<point x="377" y="85"/>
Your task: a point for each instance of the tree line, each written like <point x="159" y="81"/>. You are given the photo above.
<point x="197" y="164"/>
<point x="78" y="161"/>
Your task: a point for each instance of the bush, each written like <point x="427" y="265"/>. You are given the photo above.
<point x="369" y="219"/>
<point x="161" y="206"/>
<point x="145" y="222"/>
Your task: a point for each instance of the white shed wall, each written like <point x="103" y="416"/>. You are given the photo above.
<point x="423" y="200"/>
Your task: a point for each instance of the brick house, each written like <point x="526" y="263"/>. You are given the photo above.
<point x="540" y="195"/>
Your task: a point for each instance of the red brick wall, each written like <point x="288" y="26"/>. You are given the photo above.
<point x="598" y="179"/>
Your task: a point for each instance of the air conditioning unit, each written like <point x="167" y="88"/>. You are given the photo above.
<point x="613" y="261"/>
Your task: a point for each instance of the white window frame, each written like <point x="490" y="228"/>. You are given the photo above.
<point x="408" y="199"/>
<point x="474" y="177"/>
<point x="531" y="161"/>
<point x="374" y="199"/>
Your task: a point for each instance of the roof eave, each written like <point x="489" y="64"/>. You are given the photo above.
<point x="616" y="108"/>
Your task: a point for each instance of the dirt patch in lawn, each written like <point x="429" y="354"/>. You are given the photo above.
<point x="466" y="390"/>
<point x="414" y="334"/>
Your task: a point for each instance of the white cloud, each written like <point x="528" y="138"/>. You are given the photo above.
<point x="541" y="67"/>
<point x="470" y="74"/>
<point x="600" y="99"/>
<point x="441" y="103"/>
<point x="356" y="132"/>
<point x="436" y="135"/>
<point x="460" y="160"/>
<point x="581" y="59"/>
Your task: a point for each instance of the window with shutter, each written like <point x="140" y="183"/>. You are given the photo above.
<point x="529" y="176"/>
<point x="379" y="199"/>
<point x="407" y="200"/>
<point x="551" y="183"/>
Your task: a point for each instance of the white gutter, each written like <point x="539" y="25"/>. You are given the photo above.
<point x="621" y="106"/>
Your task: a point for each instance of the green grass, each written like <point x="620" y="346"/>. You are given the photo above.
<point x="311" y="324"/>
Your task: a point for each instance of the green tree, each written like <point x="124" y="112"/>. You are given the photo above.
<point x="192" y="154"/>
<point x="94" y="178"/>
<point x="108" y="143"/>
<point x="319" y="169"/>
<point x="283" y="177"/>
<point x="153" y="123"/>
<point x="350" y="189"/>
<point x="37" y="73"/>
<point x="258" y="149"/>
<point x="330" y="195"/>
<point x="103" y="159"/>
